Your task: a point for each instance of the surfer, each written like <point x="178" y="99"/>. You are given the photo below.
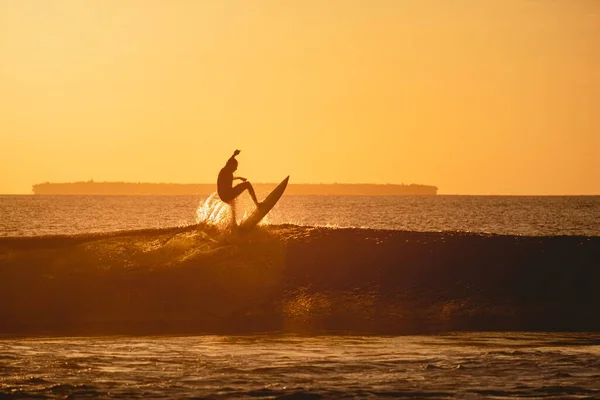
<point x="227" y="192"/>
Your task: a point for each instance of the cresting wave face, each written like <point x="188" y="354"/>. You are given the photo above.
<point x="214" y="212"/>
<point x="288" y="278"/>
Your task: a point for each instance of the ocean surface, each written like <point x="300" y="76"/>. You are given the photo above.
<point x="507" y="215"/>
<point x="471" y="366"/>
<point x="332" y="297"/>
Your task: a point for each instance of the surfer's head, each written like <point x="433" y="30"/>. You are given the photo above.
<point x="232" y="164"/>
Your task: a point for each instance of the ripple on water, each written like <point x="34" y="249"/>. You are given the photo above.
<point x="311" y="367"/>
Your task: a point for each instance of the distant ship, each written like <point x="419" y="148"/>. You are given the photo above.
<point x="130" y="188"/>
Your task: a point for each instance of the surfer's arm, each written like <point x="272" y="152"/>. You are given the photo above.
<point x="235" y="153"/>
<point x="240" y="178"/>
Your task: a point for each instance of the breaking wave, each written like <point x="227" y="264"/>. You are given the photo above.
<point x="287" y="278"/>
<point x="213" y="212"/>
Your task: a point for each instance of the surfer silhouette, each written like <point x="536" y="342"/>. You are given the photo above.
<point x="225" y="189"/>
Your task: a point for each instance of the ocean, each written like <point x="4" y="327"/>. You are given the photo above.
<point x="331" y="297"/>
<point x="504" y="215"/>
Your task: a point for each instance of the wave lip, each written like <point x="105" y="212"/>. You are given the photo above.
<point x="288" y="278"/>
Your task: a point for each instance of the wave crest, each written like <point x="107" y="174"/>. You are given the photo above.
<point x="296" y="279"/>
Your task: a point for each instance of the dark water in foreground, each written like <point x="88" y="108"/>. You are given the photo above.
<point x="301" y="307"/>
<point x="466" y="365"/>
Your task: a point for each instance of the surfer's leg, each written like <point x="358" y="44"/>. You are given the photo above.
<point x="239" y="189"/>
<point x="252" y="194"/>
<point x="233" y="218"/>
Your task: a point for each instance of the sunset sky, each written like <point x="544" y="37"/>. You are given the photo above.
<point x="476" y="97"/>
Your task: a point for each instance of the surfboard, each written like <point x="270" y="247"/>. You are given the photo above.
<point x="264" y="208"/>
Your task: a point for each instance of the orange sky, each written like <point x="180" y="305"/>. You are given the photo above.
<point x="476" y="97"/>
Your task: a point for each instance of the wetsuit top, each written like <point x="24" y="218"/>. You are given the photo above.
<point x="225" y="184"/>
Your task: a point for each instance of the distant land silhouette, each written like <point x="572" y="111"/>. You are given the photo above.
<point x="130" y="188"/>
